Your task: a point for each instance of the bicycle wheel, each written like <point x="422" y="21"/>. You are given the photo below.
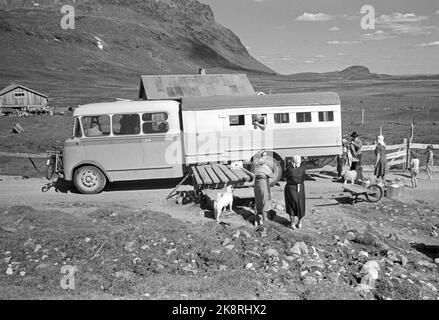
<point x="50" y="169"/>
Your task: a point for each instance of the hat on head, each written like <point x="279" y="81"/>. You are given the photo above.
<point x="354" y="134"/>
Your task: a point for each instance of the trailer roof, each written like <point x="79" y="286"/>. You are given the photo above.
<point x="251" y="101"/>
<point x="153" y="87"/>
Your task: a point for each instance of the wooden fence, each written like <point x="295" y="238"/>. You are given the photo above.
<point x="402" y="153"/>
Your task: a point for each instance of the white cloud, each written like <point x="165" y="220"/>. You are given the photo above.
<point x="437" y="12"/>
<point x="319" y="56"/>
<point x="397" y="17"/>
<point x="333" y="29"/>
<point x="308" y="61"/>
<point x="430" y="44"/>
<point x="259" y="1"/>
<point x="341" y="54"/>
<point x="404" y="23"/>
<point x="377" y="35"/>
<point x="280" y="27"/>
<point x="336" y="42"/>
<point x="314" y="17"/>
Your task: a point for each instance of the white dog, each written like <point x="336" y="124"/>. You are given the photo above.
<point x="349" y="175"/>
<point x="223" y="201"/>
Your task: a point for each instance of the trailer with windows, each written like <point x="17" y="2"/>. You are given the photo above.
<point x="154" y="139"/>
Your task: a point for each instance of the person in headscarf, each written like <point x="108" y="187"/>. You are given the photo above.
<point x="294" y="192"/>
<point x="262" y="188"/>
<point x="381" y="160"/>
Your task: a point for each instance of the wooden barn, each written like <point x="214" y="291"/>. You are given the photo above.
<point x="153" y="87"/>
<point x="16" y="98"/>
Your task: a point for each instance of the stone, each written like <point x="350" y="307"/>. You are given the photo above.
<point x="37" y="248"/>
<point x="371" y="267"/>
<point x="391" y="255"/>
<point x="87" y="239"/>
<point x="9" y="271"/>
<point x="434" y="234"/>
<point x="299" y="248"/>
<point x="304" y="273"/>
<point x="226" y="242"/>
<point x="41" y="266"/>
<point x="342" y="269"/>
<point x="436" y="260"/>
<point x="334" y="276"/>
<point x="314" y="263"/>
<point x="363" y="254"/>
<point x="170" y="251"/>
<point x="249" y="266"/>
<point x="336" y="238"/>
<point x="22" y="273"/>
<point x="350" y="235"/>
<point x="237" y="234"/>
<point x="271" y="252"/>
<point x="246" y="233"/>
<point x="230" y="247"/>
<point x="403" y="259"/>
<point x="285" y="265"/>
<point x="362" y="287"/>
<point x="309" y="280"/>
<point x="130" y="246"/>
<point x="427" y="264"/>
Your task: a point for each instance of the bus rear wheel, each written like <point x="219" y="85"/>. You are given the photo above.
<point x="277" y="169"/>
<point x="89" y="180"/>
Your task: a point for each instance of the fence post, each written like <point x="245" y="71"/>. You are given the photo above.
<point x="406" y="142"/>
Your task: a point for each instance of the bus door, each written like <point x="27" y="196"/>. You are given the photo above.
<point x="161" y="145"/>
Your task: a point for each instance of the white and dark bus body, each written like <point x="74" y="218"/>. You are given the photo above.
<point x="157" y="139"/>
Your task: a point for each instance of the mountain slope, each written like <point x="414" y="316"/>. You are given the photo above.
<point x="113" y="43"/>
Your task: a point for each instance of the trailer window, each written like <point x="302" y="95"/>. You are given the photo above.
<point x="281" y="118"/>
<point x="303" y="117"/>
<point x="237" y="120"/>
<point x="155" y="122"/>
<point x="326" y="116"/>
<point x="124" y="124"/>
<point x="95" y="126"/>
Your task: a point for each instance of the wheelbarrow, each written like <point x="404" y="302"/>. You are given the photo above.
<point x="372" y="192"/>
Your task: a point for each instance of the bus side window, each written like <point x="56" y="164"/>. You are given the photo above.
<point x="124" y="124"/>
<point x="326" y="116"/>
<point x="237" y="120"/>
<point x="303" y="117"/>
<point x="95" y="126"/>
<point x="155" y="122"/>
<point x="281" y="118"/>
<point x="77" y="132"/>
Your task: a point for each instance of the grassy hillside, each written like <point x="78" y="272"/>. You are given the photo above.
<point x="113" y="43"/>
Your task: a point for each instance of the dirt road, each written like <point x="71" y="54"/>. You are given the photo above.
<point x="130" y="242"/>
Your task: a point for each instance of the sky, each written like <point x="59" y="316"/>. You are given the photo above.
<point x="292" y="36"/>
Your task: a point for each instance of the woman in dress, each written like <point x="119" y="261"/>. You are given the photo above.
<point x="381" y="160"/>
<point x="262" y="188"/>
<point x="295" y="192"/>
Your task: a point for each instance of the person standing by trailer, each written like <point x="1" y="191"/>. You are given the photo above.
<point x="294" y="192"/>
<point x="262" y="189"/>
<point x="381" y="160"/>
<point x="342" y="159"/>
<point x="414" y="170"/>
<point x="429" y="162"/>
<point x="356" y="146"/>
<point x="260" y="121"/>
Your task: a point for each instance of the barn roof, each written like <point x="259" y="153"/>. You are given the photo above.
<point x="251" y="101"/>
<point x="177" y="86"/>
<point x="15" y="86"/>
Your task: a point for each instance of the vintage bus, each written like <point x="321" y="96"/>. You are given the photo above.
<point x="154" y="139"/>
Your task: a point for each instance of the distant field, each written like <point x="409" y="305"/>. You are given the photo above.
<point x="392" y="104"/>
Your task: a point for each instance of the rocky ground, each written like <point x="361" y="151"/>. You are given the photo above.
<point x="130" y="243"/>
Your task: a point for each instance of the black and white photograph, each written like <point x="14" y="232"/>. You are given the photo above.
<point x="219" y="155"/>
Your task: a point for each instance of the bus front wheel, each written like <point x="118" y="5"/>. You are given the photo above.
<point x="89" y="180"/>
